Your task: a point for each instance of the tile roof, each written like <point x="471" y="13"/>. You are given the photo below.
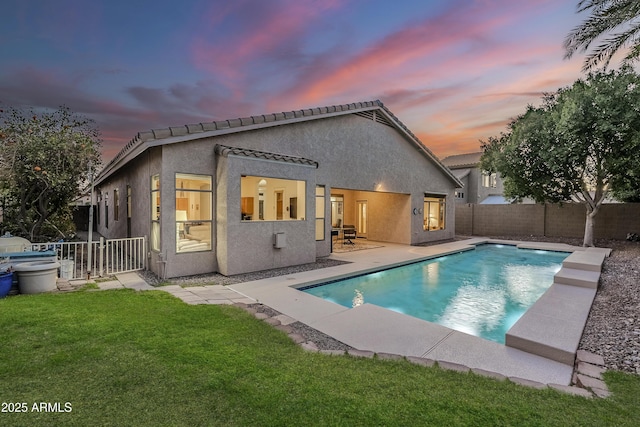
<point x="461" y="173"/>
<point x="224" y="150"/>
<point x="462" y="160"/>
<point x="175" y="134"/>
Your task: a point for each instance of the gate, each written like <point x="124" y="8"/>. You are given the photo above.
<point x="109" y="256"/>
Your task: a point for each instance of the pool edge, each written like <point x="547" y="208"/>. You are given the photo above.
<point x="552" y="329"/>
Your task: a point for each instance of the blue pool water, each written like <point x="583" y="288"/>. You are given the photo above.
<point x="482" y="292"/>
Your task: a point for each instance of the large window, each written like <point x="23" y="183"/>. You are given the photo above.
<point x="320" y="204"/>
<point x="434" y="212"/>
<point x="155" y="212"/>
<point x="193" y="212"/>
<point x="489" y="180"/>
<point x="272" y="199"/>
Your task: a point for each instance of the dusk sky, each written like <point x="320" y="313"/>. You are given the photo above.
<point x="453" y="71"/>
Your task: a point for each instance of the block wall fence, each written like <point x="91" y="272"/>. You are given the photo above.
<point x="613" y="221"/>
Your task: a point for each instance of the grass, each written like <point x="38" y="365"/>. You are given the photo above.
<point x="145" y="358"/>
<point x="91" y="286"/>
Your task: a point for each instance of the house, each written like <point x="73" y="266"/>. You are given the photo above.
<point x="479" y="187"/>
<point x="261" y="192"/>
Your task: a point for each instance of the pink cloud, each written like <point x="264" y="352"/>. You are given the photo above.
<point x="423" y="44"/>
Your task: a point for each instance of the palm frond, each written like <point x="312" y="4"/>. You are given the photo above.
<point x="609" y="47"/>
<point x="607" y="16"/>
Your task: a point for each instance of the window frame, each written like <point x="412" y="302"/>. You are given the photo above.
<point x="441" y="219"/>
<point x="321" y="207"/>
<point x="273" y="185"/>
<point x="193" y="222"/>
<point x="155" y="203"/>
<point x="116" y="205"/>
<point x="489" y="180"/>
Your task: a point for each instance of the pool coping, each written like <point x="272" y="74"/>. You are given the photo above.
<point x="567" y="303"/>
<point x="375" y="329"/>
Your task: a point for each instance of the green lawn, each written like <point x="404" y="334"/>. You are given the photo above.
<point x="125" y="358"/>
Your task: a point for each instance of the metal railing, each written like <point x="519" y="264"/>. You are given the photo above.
<point x="109" y="256"/>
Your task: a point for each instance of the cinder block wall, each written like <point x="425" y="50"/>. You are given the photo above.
<point x="567" y="220"/>
<point x="464" y="219"/>
<point x="613" y="221"/>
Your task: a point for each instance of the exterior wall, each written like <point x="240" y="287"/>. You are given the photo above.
<point x="484" y="192"/>
<point x="358" y="154"/>
<point x="473" y="190"/>
<point x="244" y="246"/>
<point x="193" y="158"/>
<point x="465" y="190"/>
<point x="389" y="218"/>
<point x="138" y="177"/>
<point x="373" y="160"/>
<point x="473" y="179"/>
<point x="613" y="221"/>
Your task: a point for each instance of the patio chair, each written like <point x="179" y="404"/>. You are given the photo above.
<point x="349" y="234"/>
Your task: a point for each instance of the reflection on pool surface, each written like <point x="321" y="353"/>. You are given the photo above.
<point x="482" y="292"/>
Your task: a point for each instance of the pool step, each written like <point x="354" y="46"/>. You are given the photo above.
<point x="589" y="260"/>
<point x="576" y="277"/>
<point x="553" y="326"/>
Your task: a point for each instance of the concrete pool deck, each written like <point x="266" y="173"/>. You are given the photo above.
<point x="543" y="342"/>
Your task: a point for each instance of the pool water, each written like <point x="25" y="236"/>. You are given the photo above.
<point x="482" y="292"/>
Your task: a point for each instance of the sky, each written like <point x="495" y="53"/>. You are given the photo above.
<point x="453" y="71"/>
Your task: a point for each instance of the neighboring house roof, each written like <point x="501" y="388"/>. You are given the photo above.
<point x="461" y="173"/>
<point x="373" y="110"/>
<point x="225" y="151"/>
<point x="495" y="200"/>
<point x="462" y="160"/>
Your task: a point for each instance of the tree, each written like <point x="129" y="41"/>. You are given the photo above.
<point x="606" y="16"/>
<point x="44" y="158"/>
<point x="580" y="145"/>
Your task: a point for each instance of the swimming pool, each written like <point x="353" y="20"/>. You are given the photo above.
<point x="482" y="292"/>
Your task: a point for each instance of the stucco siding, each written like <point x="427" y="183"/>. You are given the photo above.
<point x="358" y="154"/>
<point x="249" y="245"/>
<point x="367" y="159"/>
<point x="192" y="157"/>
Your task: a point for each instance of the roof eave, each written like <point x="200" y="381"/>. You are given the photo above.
<point x="144" y="140"/>
<point x="234" y="126"/>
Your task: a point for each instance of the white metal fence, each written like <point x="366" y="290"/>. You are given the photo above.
<point x="109" y="256"/>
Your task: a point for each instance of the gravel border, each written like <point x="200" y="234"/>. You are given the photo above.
<point x="219" y="279"/>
